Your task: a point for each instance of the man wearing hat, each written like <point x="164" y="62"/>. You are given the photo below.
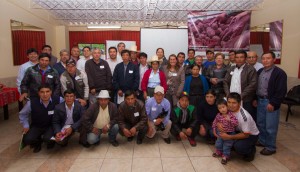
<point x="158" y="110"/>
<point x="153" y="77"/>
<point x="184" y="116"/>
<point x="66" y="118"/>
<point x="132" y="118"/>
<point x="100" y="118"/>
<point x="126" y="75"/>
<point x="133" y="55"/>
<point x="210" y="59"/>
<point x="76" y="80"/>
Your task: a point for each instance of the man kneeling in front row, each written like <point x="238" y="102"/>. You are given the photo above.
<point x="100" y="118"/>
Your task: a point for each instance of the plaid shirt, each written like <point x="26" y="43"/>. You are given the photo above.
<point x="229" y="122"/>
<point x="33" y="80"/>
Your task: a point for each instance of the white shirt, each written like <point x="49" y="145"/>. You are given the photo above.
<point x="246" y="122"/>
<point x="235" y="85"/>
<point x="22" y="71"/>
<point x="80" y="65"/>
<point x="69" y="112"/>
<point x="103" y="118"/>
<point x="142" y="72"/>
<point x="258" y="66"/>
<point x="112" y="64"/>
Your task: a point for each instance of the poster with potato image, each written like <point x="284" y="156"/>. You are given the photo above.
<point x="219" y="30"/>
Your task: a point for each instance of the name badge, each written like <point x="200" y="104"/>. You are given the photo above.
<point x="102" y="67"/>
<point x="136" y="114"/>
<point x="130" y="71"/>
<point x="150" y="76"/>
<point x="174" y="74"/>
<point x="51" y="112"/>
<point x="77" y="77"/>
<point x="50" y="76"/>
<point x="153" y="108"/>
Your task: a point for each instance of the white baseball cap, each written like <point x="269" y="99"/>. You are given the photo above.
<point x="159" y="89"/>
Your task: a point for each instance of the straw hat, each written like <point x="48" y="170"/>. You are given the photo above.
<point x="133" y="48"/>
<point x="103" y="94"/>
<point x="154" y="59"/>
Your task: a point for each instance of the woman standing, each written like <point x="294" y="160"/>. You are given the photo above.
<point x="160" y="52"/>
<point x="153" y="77"/>
<point x="207" y="112"/>
<point x="215" y="75"/>
<point x="175" y="79"/>
<point x="196" y="86"/>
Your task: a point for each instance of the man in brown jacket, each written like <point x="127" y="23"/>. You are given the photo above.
<point x="242" y="78"/>
<point x="132" y="118"/>
<point x="100" y="118"/>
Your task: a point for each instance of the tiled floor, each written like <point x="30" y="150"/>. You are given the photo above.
<point x="153" y="155"/>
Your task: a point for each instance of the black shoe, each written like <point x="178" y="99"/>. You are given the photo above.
<point x="267" y="152"/>
<point x="86" y="145"/>
<point x="139" y="141"/>
<point x="259" y="144"/>
<point x="167" y="140"/>
<point x="50" y="145"/>
<point x="97" y="143"/>
<point x="250" y="157"/>
<point x="129" y="139"/>
<point x="37" y="148"/>
<point x="115" y="143"/>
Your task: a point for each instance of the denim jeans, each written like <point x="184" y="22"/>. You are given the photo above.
<point x="112" y="134"/>
<point x="267" y="123"/>
<point x="224" y="146"/>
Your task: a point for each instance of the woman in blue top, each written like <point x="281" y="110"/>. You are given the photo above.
<point x="196" y="86"/>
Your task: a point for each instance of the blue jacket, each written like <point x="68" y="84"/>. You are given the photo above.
<point x="277" y="86"/>
<point x="188" y="80"/>
<point x="129" y="81"/>
<point x="59" y="67"/>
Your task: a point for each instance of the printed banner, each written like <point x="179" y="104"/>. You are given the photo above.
<point x="276" y="39"/>
<point x="219" y="30"/>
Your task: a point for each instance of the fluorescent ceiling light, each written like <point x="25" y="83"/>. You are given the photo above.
<point x="182" y="27"/>
<point x="103" y="27"/>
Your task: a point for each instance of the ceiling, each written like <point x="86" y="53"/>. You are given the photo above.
<point x="142" y="13"/>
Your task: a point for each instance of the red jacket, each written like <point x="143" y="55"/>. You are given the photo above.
<point x="146" y="76"/>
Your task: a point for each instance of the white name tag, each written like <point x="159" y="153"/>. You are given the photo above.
<point x="51" y="112"/>
<point x="102" y="67"/>
<point x="130" y="71"/>
<point x="153" y="108"/>
<point x="150" y="76"/>
<point x="77" y="77"/>
<point x="136" y="114"/>
<point x="174" y="74"/>
<point x="50" y="76"/>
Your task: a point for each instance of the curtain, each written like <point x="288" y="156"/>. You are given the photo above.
<point x="23" y="40"/>
<point x="93" y="37"/>
<point x="260" y="38"/>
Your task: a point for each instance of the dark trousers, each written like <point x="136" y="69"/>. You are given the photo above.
<point x="195" y="130"/>
<point x="36" y="135"/>
<point x="245" y="146"/>
<point x="141" y="133"/>
<point x="250" y="108"/>
<point x="140" y="95"/>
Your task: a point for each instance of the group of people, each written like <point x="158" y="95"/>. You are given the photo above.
<point x="234" y="105"/>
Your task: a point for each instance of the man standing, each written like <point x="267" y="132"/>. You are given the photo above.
<point x="231" y="55"/>
<point x="272" y="87"/>
<point x="99" y="75"/>
<point x="100" y="118"/>
<point x="61" y="66"/>
<point x="37" y="75"/>
<point x="248" y="133"/>
<point x="48" y="49"/>
<point x="181" y="59"/>
<point x="126" y="75"/>
<point x="66" y="118"/>
<point x="32" y="55"/>
<point x="112" y="60"/>
<point x="252" y="60"/>
<point x="40" y="109"/>
<point x="87" y="56"/>
<point x="191" y="57"/>
<point x="184" y="116"/>
<point x="121" y="46"/>
<point x="76" y="80"/>
<point x="210" y="59"/>
<point x="143" y="67"/>
<point x="132" y="118"/>
<point x="133" y="55"/>
<point x="242" y="78"/>
<point x="158" y="110"/>
<point x="75" y="53"/>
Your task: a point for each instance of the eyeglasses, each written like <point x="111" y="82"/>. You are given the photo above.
<point x="251" y="57"/>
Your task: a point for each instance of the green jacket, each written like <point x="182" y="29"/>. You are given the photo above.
<point x="176" y="117"/>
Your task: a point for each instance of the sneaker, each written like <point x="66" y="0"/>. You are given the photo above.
<point x="139" y="141"/>
<point x="129" y="139"/>
<point x="37" y="148"/>
<point x="216" y="154"/>
<point x="167" y="140"/>
<point x="224" y="160"/>
<point x="267" y="152"/>
<point x="192" y="141"/>
<point x="115" y="143"/>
